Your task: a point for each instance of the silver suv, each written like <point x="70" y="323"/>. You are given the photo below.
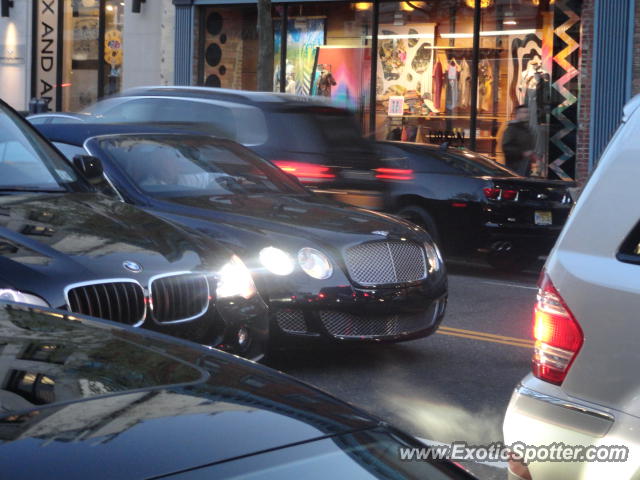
<point x="583" y="395"/>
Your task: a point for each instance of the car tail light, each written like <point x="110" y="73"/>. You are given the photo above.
<point x="304" y="171"/>
<point x="509" y="194"/>
<point x="557" y="334"/>
<point x="493" y="193"/>
<point x="394" y="173"/>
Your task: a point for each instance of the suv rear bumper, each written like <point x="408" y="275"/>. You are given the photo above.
<point x="537" y="418"/>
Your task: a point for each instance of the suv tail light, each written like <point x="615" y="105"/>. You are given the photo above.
<point x="394" y="173"/>
<point x="304" y="171"/>
<point x="557" y="334"/>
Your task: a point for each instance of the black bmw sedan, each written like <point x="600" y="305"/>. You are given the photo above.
<point x="329" y="271"/>
<point x="91" y="399"/>
<point x="468" y="202"/>
<point x="64" y="245"/>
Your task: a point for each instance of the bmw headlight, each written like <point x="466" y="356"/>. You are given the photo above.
<point x="315" y="263"/>
<point x="235" y="280"/>
<point x="434" y="258"/>
<point x="276" y="261"/>
<point x="21" y="297"/>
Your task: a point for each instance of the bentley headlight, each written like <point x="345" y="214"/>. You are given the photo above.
<point x="434" y="258"/>
<point x="315" y="263"/>
<point x="276" y="261"/>
<point x="235" y="280"/>
<point x="20" y="297"/>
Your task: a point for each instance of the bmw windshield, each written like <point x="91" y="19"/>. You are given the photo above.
<point x="163" y="165"/>
<point x="27" y="162"/>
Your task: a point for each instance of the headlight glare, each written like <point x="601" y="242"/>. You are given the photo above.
<point x="276" y="261"/>
<point x="21" y="297"/>
<point x="315" y="263"/>
<point x="235" y="280"/>
<point x="434" y="258"/>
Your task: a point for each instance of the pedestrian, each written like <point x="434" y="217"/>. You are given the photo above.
<point x="518" y="143"/>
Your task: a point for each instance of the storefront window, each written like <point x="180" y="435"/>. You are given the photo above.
<point x="81" y="50"/>
<point x="424" y="72"/>
<point x="113" y="53"/>
<point x="527" y="56"/>
<point x="80" y="54"/>
<point x="229" y="47"/>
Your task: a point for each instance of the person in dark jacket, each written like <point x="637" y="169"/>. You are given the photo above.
<point x="518" y="143"/>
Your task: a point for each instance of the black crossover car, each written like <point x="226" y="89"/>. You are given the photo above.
<point x="64" y="245"/>
<point x="91" y="399"/>
<point x="469" y="202"/>
<point x="320" y="144"/>
<point x="327" y="270"/>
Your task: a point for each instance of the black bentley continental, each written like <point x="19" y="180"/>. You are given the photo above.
<point x="85" y="399"/>
<point x="67" y="246"/>
<point x="330" y="272"/>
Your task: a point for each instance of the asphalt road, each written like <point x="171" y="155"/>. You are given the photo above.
<point x="452" y="386"/>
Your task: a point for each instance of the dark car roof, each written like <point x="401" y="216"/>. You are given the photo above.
<point x="110" y="393"/>
<point x="76" y="134"/>
<point x="266" y="100"/>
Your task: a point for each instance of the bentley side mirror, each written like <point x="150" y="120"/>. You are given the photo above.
<point x="90" y="167"/>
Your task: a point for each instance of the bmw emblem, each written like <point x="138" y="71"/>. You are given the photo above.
<point x="133" y="267"/>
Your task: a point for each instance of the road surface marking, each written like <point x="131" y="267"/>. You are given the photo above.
<point x="487" y="337"/>
<point x="508" y="284"/>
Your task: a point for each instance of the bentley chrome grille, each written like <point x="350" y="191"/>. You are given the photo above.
<point x="386" y="262"/>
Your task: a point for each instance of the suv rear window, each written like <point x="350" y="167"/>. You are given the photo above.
<point x="317" y="130"/>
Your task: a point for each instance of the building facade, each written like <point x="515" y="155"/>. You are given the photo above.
<point x="416" y="71"/>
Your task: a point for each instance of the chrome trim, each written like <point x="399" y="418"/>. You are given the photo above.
<point x="175" y="274"/>
<point x="71" y="286"/>
<point x="558" y="402"/>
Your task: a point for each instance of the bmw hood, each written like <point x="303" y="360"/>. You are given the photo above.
<point x="49" y="241"/>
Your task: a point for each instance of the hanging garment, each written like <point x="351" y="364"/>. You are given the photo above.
<point x="485" y="83"/>
<point x="437" y="85"/>
<point x="465" y="84"/>
<point x="452" y="94"/>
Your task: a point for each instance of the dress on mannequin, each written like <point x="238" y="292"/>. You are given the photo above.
<point x="465" y="84"/>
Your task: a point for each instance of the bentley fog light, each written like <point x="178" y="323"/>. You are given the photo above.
<point x="20" y="297"/>
<point x="276" y="261"/>
<point x="315" y="263"/>
<point x="434" y="258"/>
<point x="235" y="280"/>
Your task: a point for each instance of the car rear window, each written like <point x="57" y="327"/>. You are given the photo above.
<point x="316" y="129"/>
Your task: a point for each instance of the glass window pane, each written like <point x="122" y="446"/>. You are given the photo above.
<point x="80" y="54"/>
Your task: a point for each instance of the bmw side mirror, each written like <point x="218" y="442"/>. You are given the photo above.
<point x="90" y="167"/>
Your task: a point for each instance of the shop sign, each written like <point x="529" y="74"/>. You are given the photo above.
<point x="46" y="61"/>
<point x="396" y="106"/>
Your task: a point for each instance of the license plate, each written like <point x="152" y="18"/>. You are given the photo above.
<point x="542" y="218"/>
<point x="358" y="174"/>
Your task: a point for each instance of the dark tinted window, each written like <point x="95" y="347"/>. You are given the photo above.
<point x="454" y="161"/>
<point x="316" y="129"/>
<point x="630" y="249"/>
<point x="419" y="160"/>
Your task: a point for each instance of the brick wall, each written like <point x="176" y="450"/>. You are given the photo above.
<point x="636" y="51"/>
<point x="584" y="109"/>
